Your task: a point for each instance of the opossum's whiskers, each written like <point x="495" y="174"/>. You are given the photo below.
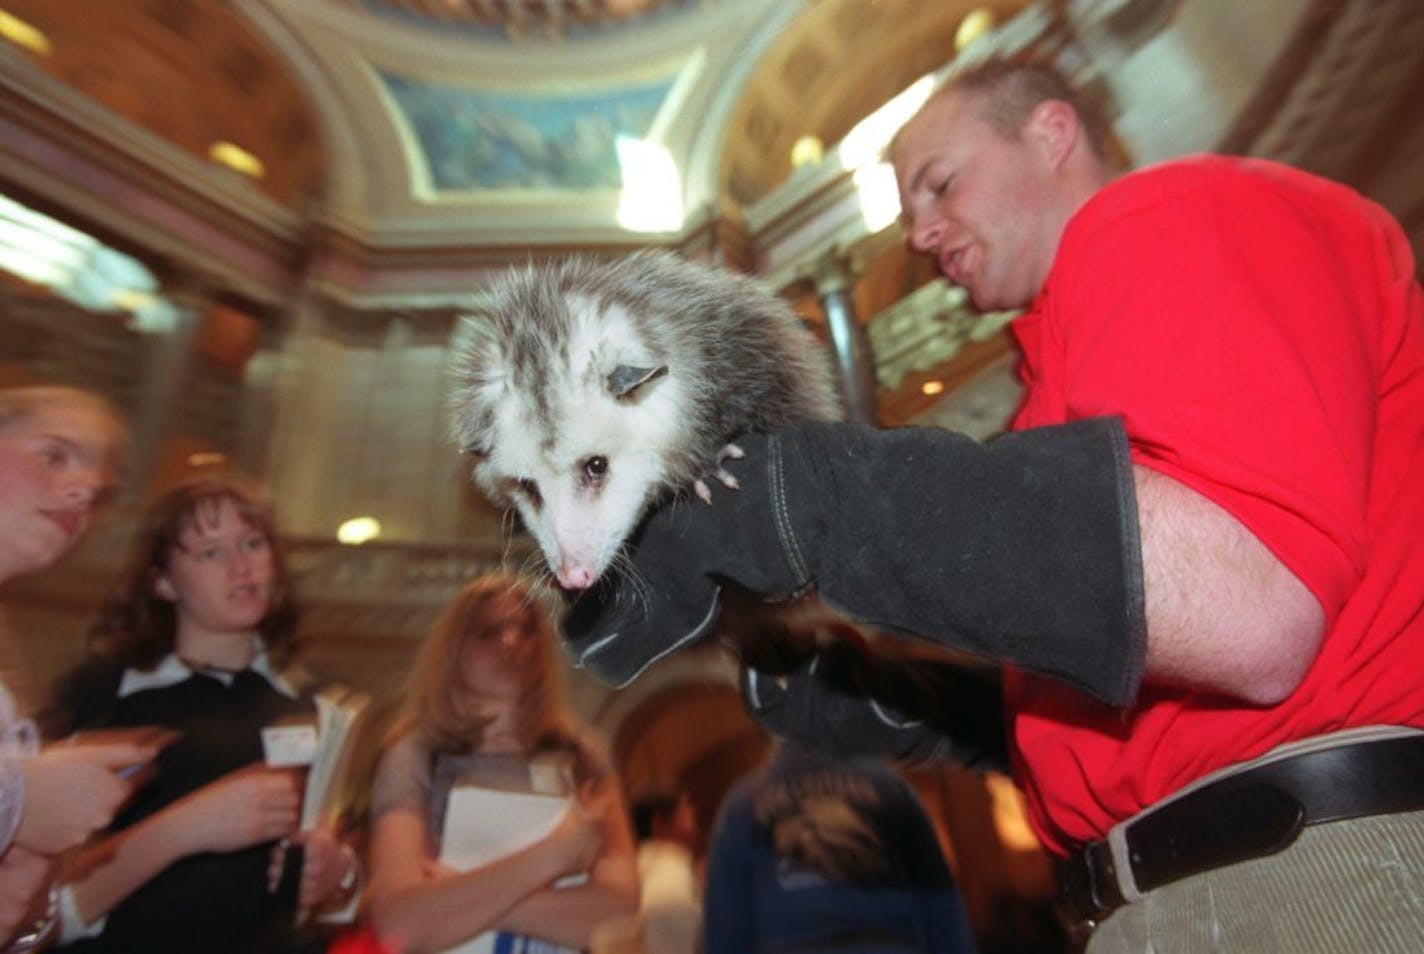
<point x="637" y="587"/>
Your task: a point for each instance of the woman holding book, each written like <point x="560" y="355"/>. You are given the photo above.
<point x="197" y="639"/>
<point x="485" y="726"/>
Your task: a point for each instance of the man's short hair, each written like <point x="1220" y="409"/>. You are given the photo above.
<point x="1008" y="90"/>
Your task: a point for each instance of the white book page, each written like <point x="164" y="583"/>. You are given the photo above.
<point x="485" y="824"/>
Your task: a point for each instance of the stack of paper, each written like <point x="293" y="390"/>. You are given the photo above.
<point x="485" y="824"/>
<point x="338" y="711"/>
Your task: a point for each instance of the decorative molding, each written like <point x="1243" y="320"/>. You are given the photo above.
<point x="926" y="328"/>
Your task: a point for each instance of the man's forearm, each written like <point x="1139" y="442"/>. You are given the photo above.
<point x="1223" y="612"/>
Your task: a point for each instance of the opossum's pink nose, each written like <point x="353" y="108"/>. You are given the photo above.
<point x="574" y="577"/>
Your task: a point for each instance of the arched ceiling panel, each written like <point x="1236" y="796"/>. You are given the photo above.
<point x="191" y="72"/>
<point x="837" y="62"/>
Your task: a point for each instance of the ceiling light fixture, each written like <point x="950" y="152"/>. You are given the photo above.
<point x="806" y="151"/>
<point x="358" y="530"/>
<point x="236" y="158"/>
<point x="23" y="35"/>
<point x="974" y="26"/>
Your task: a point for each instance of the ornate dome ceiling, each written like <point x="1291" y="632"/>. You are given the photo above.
<point x="526" y="19"/>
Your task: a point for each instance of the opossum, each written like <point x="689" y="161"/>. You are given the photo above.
<point x="591" y="390"/>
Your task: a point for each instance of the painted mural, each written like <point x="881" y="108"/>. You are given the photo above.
<point x="480" y="140"/>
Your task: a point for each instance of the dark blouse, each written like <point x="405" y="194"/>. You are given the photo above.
<point x="213" y="902"/>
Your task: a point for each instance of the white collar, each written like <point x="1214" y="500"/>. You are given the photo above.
<point x="171" y="670"/>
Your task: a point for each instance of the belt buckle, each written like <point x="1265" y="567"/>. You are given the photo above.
<point x="1088" y="890"/>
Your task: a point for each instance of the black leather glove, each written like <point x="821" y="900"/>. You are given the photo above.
<point x="847" y="703"/>
<point x="1023" y="549"/>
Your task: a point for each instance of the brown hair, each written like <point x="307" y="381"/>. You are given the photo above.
<point x="441" y="710"/>
<point x="1008" y="90"/>
<point x="136" y="627"/>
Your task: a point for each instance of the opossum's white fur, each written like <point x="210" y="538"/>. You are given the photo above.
<point x="544" y="391"/>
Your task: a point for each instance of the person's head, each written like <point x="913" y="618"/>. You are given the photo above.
<point x="666" y="816"/>
<point x="990" y="170"/>
<point x="206" y="565"/>
<point x="492" y="652"/>
<point x="61" y="452"/>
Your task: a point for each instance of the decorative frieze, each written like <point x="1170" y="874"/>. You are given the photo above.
<point x="926" y="329"/>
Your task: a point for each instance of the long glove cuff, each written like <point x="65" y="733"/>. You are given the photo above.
<point x="846" y="704"/>
<point x="1024" y="549"/>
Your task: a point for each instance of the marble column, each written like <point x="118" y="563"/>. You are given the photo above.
<point x="168" y="367"/>
<point x="834" y="277"/>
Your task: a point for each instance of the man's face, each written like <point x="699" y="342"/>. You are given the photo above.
<point x="981" y="205"/>
<point x="54" y="471"/>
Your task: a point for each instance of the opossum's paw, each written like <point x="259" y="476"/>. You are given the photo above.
<point x="729" y="452"/>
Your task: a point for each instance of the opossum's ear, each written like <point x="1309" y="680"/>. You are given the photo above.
<point x="625" y="378"/>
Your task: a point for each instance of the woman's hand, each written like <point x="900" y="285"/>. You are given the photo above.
<point x="72" y="791"/>
<point x="579" y="832"/>
<point x="329" y="867"/>
<point x="24" y="876"/>
<point x="243" y="808"/>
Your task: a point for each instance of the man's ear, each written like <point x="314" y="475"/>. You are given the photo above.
<point x="163" y="588"/>
<point x="1054" y="128"/>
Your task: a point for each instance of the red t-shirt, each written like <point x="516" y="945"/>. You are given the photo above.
<point x="1261" y="332"/>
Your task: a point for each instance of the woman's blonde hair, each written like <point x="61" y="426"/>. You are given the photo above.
<point x="442" y="711"/>
<point x="20" y="404"/>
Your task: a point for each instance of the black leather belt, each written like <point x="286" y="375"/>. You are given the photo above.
<point x="1250" y="814"/>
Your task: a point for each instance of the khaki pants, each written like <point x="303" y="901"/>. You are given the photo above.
<point x="1348" y="887"/>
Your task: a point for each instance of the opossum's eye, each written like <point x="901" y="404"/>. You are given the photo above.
<point x="594" y="468"/>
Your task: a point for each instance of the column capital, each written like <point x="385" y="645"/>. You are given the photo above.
<point x="834" y="271"/>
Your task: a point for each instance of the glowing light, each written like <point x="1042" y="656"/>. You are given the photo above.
<point x="865" y="143"/>
<point x="931" y="388"/>
<point x="878" y="195"/>
<point x="1006" y="808"/>
<point x="975" y="24"/>
<point x="23" y="35"/>
<point x="806" y="151"/>
<point x="236" y="158"/>
<point x="651" y="200"/>
<point x="206" y="459"/>
<point x="76" y="266"/>
<point x="358" y="530"/>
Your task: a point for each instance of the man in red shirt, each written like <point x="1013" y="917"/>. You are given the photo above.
<point x="1221" y="448"/>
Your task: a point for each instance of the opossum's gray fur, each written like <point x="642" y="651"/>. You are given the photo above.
<point x="744" y="356"/>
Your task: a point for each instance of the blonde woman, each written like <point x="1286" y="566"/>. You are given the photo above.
<point x="60" y="452"/>
<point x="485" y="708"/>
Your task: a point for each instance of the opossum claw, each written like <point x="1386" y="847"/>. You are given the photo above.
<point x="727" y="480"/>
<point x="728" y="452"/>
